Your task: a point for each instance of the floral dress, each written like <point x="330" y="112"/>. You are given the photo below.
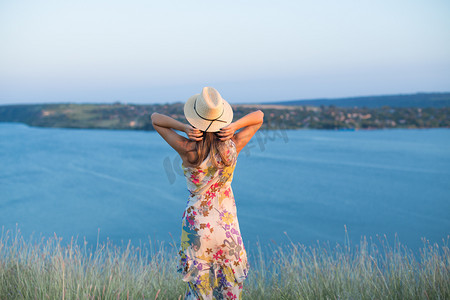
<point x="213" y="259"/>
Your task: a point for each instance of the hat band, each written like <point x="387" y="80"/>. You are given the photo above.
<point x="212" y="120"/>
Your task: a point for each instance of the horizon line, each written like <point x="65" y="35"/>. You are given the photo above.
<point x="241" y="103"/>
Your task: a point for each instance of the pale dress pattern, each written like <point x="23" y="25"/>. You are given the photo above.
<point x="212" y="255"/>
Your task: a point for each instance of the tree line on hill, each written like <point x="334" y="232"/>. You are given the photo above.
<point x="137" y="117"/>
<point x="419" y="100"/>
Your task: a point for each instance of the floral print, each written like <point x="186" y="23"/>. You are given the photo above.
<point x="212" y="257"/>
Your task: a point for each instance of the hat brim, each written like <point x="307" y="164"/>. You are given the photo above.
<point x="201" y="124"/>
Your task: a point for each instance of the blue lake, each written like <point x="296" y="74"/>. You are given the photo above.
<point x="128" y="185"/>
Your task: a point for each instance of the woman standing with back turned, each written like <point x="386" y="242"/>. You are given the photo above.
<point x="213" y="259"/>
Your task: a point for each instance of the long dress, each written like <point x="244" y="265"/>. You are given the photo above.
<point x="212" y="258"/>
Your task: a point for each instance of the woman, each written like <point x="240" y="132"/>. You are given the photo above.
<point x="213" y="259"/>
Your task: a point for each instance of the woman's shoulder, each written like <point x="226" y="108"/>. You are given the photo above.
<point x="190" y="154"/>
<point x="232" y="144"/>
<point x="231" y="152"/>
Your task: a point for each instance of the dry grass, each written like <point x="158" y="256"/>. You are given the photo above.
<point x="46" y="269"/>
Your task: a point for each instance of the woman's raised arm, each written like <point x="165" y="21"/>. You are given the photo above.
<point x="250" y="124"/>
<point x="166" y="127"/>
<point x="168" y="122"/>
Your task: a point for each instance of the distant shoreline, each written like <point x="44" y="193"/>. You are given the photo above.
<point x="277" y="116"/>
<point x="270" y="129"/>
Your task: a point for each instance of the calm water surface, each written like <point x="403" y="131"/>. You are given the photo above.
<point x="308" y="183"/>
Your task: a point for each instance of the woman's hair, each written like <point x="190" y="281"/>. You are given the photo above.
<point x="211" y="144"/>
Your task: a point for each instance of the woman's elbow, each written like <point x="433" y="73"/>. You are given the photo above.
<point x="153" y="117"/>
<point x="261" y="116"/>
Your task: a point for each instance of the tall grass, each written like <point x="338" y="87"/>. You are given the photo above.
<point x="46" y="269"/>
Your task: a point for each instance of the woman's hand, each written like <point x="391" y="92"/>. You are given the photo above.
<point x="227" y="132"/>
<point x="193" y="134"/>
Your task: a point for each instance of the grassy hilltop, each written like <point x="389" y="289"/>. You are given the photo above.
<point x="47" y="269"/>
<point x="293" y="116"/>
<point x="419" y="100"/>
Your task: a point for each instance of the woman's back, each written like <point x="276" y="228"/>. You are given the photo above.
<point x="200" y="178"/>
<point x="212" y="251"/>
<point x="212" y="255"/>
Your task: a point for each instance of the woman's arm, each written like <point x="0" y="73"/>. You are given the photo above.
<point x="168" y="122"/>
<point x="166" y="125"/>
<point x="250" y="124"/>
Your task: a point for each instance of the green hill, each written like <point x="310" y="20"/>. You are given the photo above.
<point x="276" y="116"/>
<point x="411" y="100"/>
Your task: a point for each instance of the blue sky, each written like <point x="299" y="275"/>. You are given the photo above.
<point x="251" y="51"/>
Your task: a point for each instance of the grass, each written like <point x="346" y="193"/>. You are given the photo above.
<point x="47" y="269"/>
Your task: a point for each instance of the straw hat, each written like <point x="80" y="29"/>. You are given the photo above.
<point x="208" y="111"/>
